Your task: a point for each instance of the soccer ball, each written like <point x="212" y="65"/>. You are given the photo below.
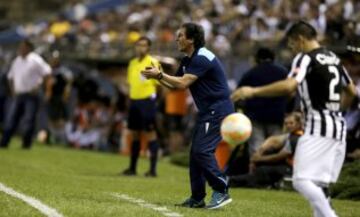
<point x="236" y="129"/>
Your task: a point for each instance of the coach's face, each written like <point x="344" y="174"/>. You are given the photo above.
<point x="183" y="43"/>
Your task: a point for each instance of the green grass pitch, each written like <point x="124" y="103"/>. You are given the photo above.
<point x="81" y="183"/>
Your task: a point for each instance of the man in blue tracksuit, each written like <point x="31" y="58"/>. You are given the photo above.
<point x="203" y="73"/>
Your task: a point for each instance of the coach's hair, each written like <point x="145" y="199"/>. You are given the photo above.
<point x="195" y="32"/>
<point x="144" y="38"/>
<point x="301" y="28"/>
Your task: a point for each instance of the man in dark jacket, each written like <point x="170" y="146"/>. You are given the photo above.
<point x="266" y="114"/>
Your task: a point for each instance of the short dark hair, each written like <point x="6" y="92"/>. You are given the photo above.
<point x="28" y="44"/>
<point x="195" y="32"/>
<point x="301" y="28"/>
<point x="264" y="54"/>
<point x="144" y="38"/>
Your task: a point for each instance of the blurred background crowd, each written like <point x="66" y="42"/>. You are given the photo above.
<point x="88" y="44"/>
<point x="107" y="29"/>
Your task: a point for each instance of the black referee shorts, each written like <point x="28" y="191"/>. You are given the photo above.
<point x="142" y="115"/>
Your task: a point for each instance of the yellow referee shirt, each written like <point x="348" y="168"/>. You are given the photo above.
<point x="140" y="87"/>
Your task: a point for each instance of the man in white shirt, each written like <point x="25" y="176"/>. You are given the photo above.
<point x="27" y="73"/>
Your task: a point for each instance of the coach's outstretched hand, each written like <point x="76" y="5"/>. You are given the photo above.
<point x="242" y="93"/>
<point x="150" y="72"/>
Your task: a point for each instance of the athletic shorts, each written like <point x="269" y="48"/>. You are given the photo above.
<point x="142" y="115"/>
<point x="318" y="159"/>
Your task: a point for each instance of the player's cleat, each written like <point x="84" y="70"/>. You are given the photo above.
<point x="150" y="174"/>
<point x="192" y="203"/>
<point x="129" y="172"/>
<point x="218" y="200"/>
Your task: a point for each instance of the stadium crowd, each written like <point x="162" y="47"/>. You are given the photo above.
<point x="84" y="113"/>
<point x="227" y="24"/>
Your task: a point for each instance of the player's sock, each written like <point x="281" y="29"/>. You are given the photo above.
<point x="135" y="151"/>
<point x="315" y="195"/>
<point x="153" y="147"/>
<point x="326" y="191"/>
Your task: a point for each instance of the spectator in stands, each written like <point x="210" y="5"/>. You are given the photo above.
<point x="352" y="118"/>
<point x="82" y="132"/>
<point x="142" y="109"/>
<point x="274" y="158"/>
<point x="260" y="31"/>
<point x="60" y="27"/>
<point x="104" y="119"/>
<point x="116" y="129"/>
<point x="57" y="106"/>
<point x="266" y="114"/>
<point x="27" y="73"/>
<point x="3" y="96"/>
<point x="77" y="9"/>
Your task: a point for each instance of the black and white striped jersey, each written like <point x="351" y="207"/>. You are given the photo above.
<point x="321" y="78"/>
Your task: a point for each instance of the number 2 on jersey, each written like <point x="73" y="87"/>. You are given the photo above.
<point x="333" y="96"/>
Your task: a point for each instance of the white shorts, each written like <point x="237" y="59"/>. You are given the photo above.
<point x="318" y="159"/>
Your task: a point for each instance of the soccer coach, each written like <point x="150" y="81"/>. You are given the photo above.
<point x="201" y="71"/>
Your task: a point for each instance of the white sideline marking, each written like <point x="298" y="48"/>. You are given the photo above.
<point x="50" y="212"/>
<point x="163" y="210"/>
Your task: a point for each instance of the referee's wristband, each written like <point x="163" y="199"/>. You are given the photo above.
<point x="160" y="76"/>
